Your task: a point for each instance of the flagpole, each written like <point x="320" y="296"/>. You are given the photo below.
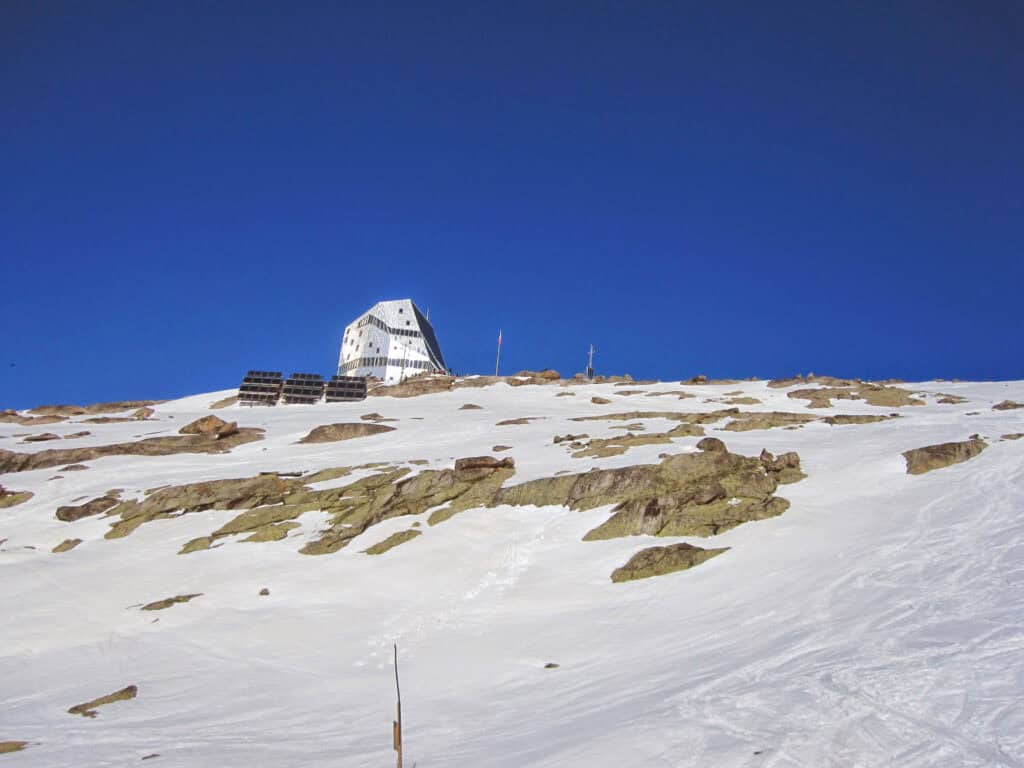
<point x="498" y="359"/>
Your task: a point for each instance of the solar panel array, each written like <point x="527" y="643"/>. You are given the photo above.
<point x="260" y="388"/>
<point x="342" y="388"/>
<point x="269" y="387"/>
<point x="306" y="388"/>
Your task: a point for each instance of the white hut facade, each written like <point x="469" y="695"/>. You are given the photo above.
<point x="391" y="341"/>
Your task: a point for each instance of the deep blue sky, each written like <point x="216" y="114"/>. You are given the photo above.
<point x="188" y="190"/>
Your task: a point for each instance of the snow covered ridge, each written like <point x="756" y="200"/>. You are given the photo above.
<point x="616" y="573"/>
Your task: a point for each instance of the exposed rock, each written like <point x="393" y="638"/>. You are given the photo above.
<point x="392" y="541"/>
<point x="1014" y="436"/>
<point x="785" y="468"/>
<point x="67" y="545"/>
<point x="708" y="417"/>
<point x="6" y="747"/>
<point x="40" y="438"/>
<point x="499" y="448"/>
<point x="551" y="665"/>
<point x="470" y="407"/>
<point x="828" y="381"/>
<point x="76" y="435"/>
<point x="331" y="433"/>
<point x="516" y="422"/>
<point x="88" y="709"/>
<point x="374" y="417"/>
<point x="479" y="467"/>
<point x="415" y="386"/>
<point x="657" y="561"/>
<point x="874" y="394"/>
<point x="566" y="394"/>
<point x="743" y="401"/>
<point x="12" y="417"/>
<point x="58" y="410"/>
<point x="13" y="498"/>
<point x="712" y="445"/>
<point x="600" y="400"/>
<point x="108" y="420"/>
<point x="326" y="474"/>
<point x="246" y="493"/>
<point x="945" y="399"/>
<point x="678" y="393"/>
<point x="568" y="438"/>
<point x="696" y="494"/>
<point x="167" y="602"/>
<point x="600" y="448"/>
<point x="842" y="419"/>
<point x="264" y="592"/>
<point x="271" y="532"/>
<point x="476" y="382"/>
<point x="98" y="506"/>
<point x="227" y="401"/>
<point x="74" y="468"/>
<point x="746" y="421"/>
<point x="524" y="378"/>
<point x="154" y="446"/>
<point x="211" y="426"/>
<point x="921" y="460"/>
<point x="1006" y="405"/>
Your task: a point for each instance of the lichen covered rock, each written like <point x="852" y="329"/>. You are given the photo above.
<point x="657" y="561"/>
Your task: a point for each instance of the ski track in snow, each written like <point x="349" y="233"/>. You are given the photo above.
<point x="878" y="622"/>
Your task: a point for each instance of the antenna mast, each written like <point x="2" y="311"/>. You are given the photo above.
<point x="590" y="363"/>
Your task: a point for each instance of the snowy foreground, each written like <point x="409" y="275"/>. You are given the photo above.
<point x="878" y="622"/>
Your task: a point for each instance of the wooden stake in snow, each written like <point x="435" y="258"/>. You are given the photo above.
<point x="396" y="726"/>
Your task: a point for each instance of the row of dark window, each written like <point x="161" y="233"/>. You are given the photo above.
<point x="373" y="362"/>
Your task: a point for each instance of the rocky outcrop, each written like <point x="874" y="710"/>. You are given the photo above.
<point x="13" y="498"/>
<point x="1013" y="436"/>
<point x="1007" y="405"/>
<point x="600" y="400"/>
<point x="875" y="394"/>
<point x="517" y="422"/>
<point x="843" y="419"/>
<point x="470" y="407"/>
<point x="66" y="546"/>
<point x="167" y="602"/>
<point x="211" y="426"/>
<point x="921" y="460"/>
<point x="116" y="406"/>
<point x="11" y="461"/>
<point x="224" y="403"/>
<point x="6" y="747"/>
<point x="708" y="417"/>
<point x="13" y="417"/>
<point x="945" y="399"/>
<point x="98" y="506"/>
<point x="392" y="541"/>
<point x="425" y="384"/>
<point x="524" y="378"/>
<point x="332" y="433"/>
<point x="657" y="561"/>
<point x="88" y="709"/>
<point x="41" y="438"/>
<point x="747" y="421"/>
<point x="700" y="494"/>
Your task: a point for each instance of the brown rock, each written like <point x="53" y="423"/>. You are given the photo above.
<point x="13" y="498"/>
<point x="212" y="426"/>
<point x="74" y="468"/>
<point x="264" y="592"/>
<point x="331" y="433"/>
<point x="1006" y="405"/>
<point x="88" y="709"/>
<point x="41" y="437"/>
<point x="478" y="467"/>
<point x="227" y="401"/>
<point x="167" y="602"/>
<point x="600" y="400"/>
<point x="657" y="561"/>
<point x="921" y="460"/>
<point x="98" y="506"/>
<point x="154" y="446"/>
<point x="67" y="545"/>
<point x="6" y="747"/>
<point x="76" y="435"/>
<point x="415" y="386"/>
<point x="712" y="445"/>
<point x="499" y="448"/>
<point x="470" y="407"/>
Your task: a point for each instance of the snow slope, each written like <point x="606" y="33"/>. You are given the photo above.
<point x="879" y="621"/>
